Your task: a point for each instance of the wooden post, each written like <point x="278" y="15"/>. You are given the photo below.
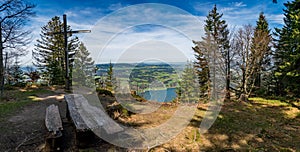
<point x="66" y="32"/>
<point x="66" y="52"/>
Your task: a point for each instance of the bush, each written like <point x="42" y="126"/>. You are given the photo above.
<point x="20" y="84"/>
<point x="138" y="98"/>
<point x="9" y="87"/>
<point x="116" y="110"/>
<point x="101" y="91"/>
<point x="260" y="92"/>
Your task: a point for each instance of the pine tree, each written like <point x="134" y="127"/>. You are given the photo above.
<point x="110" y="80"/>
<point x="15" y="72"/>
<point x="287" y="55"/>
<point x="214" y="48"/>
<point x="188" y="91"/>
<point x="202" y="65"/>
<point x="261" y="49"/>
<point x="83" y="69"/>
<point x="49" y="53"/>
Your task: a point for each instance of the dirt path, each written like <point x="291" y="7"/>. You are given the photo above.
<point x="24" y="130"/>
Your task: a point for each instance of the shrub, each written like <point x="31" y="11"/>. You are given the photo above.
<point x="116" y="110"/>
<point x="101" y="91"/>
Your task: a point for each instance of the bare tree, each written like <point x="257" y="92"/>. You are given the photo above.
<point x="13" y="16"/>
<point x="249" y="58"/>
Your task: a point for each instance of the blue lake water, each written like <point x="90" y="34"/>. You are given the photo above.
<point x="166" y="95"/>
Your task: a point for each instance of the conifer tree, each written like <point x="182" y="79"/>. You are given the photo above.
<point x="287" y="55"/>
<point x="83" y="69"/>
<point x="214" y="48"/>
<point x="15" y="72"/>
<point x="202" y="65"/>
<point x="188" y="91"/>
<point x="110" y="80"/>
<point x="49" y="53"/>
<point x="261" y="49"/>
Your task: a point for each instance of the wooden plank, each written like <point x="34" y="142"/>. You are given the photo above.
<point x="92" y="116"/>
<point x="74" y="115"/>
<point x="53" y="120"/>
<point x="54" y="126"/>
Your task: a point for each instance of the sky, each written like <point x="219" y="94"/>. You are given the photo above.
<point x="146" y="30"/>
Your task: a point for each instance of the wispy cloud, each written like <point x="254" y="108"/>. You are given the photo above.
<point x="239" y="4"/>
<point x="275" y="18"/>
<point x="71" y="14"/>
<point x="238" y="15"/>
<point x="116" y="6"/>
<point x="149" y="30"/>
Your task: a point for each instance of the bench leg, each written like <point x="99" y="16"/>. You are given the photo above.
<point x="53" y="144"/>
<point x="84" y="139"/>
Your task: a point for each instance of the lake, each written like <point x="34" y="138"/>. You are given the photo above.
<point x="166" y="95"/>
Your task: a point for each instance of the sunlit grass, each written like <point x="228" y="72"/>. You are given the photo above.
<point x="15" y="99"/>
<point x="34" y="98"/>
<point x="268" y="101"/>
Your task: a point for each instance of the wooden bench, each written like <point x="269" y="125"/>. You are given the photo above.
<point x="86" y="118"/>
<point x="54" y="126"/>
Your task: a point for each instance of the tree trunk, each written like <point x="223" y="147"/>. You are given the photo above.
<point x="243" y="97"/>
<point x="214" y="92"/>
<point x="227" y="96"/>
<point x="1" y="62"/>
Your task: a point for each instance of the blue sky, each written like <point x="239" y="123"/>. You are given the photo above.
<point x="137" y="30"/>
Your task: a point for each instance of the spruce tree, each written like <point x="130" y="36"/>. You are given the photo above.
<point x="83" y="69"/>
<point x="214" y="48"/>
<point x="15" y="72"/>
<point x="49" y="53"/>
<point x="202" y="65"/>
<point x="110" y="80"/>
<point x="188" y="91"/>
<point x="287" y="55"/>
<point x="261" y="49"/>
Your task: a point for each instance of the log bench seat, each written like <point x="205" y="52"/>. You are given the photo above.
<point x="54" y="127"/>
<point x="86" y="118"/>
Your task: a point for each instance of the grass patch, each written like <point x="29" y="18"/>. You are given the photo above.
<point x="7" y="108"/>
<point x="17" y="98"/>
<point x="268" y="101"/>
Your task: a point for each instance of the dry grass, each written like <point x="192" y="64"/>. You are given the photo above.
<point x="261" y="125"/>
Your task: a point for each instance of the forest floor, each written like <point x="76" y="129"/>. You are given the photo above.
<point x="258" y="125"/>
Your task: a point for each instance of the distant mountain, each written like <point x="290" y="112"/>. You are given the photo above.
<point x="140" y="64"/>
<point x="28" y="68"/>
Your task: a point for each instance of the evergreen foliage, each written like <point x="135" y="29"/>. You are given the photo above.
<point x="188" y="91"/>
<point x="110" y="80"/>
<point x="287" y="55"/>
<point x="261" y="52"/>
<point x="49" y="52"/>
<point x="83" y="69"/>
<point x="212" y="55"/>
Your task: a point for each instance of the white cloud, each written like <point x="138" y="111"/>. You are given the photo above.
<point x="239" y="15"/>
<point x="167" y="26"/>
<point x="275" y="18"/>
<point x="71" y="14"/>
<point x="116" y="6"/>
<point x="38" y="21"/>
<point x="239" y="4"/>
<point x="35" y="27"/>
<point x="171" y="27"/>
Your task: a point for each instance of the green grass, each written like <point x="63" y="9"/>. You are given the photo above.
<point x="34" y="92"/>
<point x="268" y="101"/>
<point x="17" y="99"/>
<point x="7" y="108"/>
